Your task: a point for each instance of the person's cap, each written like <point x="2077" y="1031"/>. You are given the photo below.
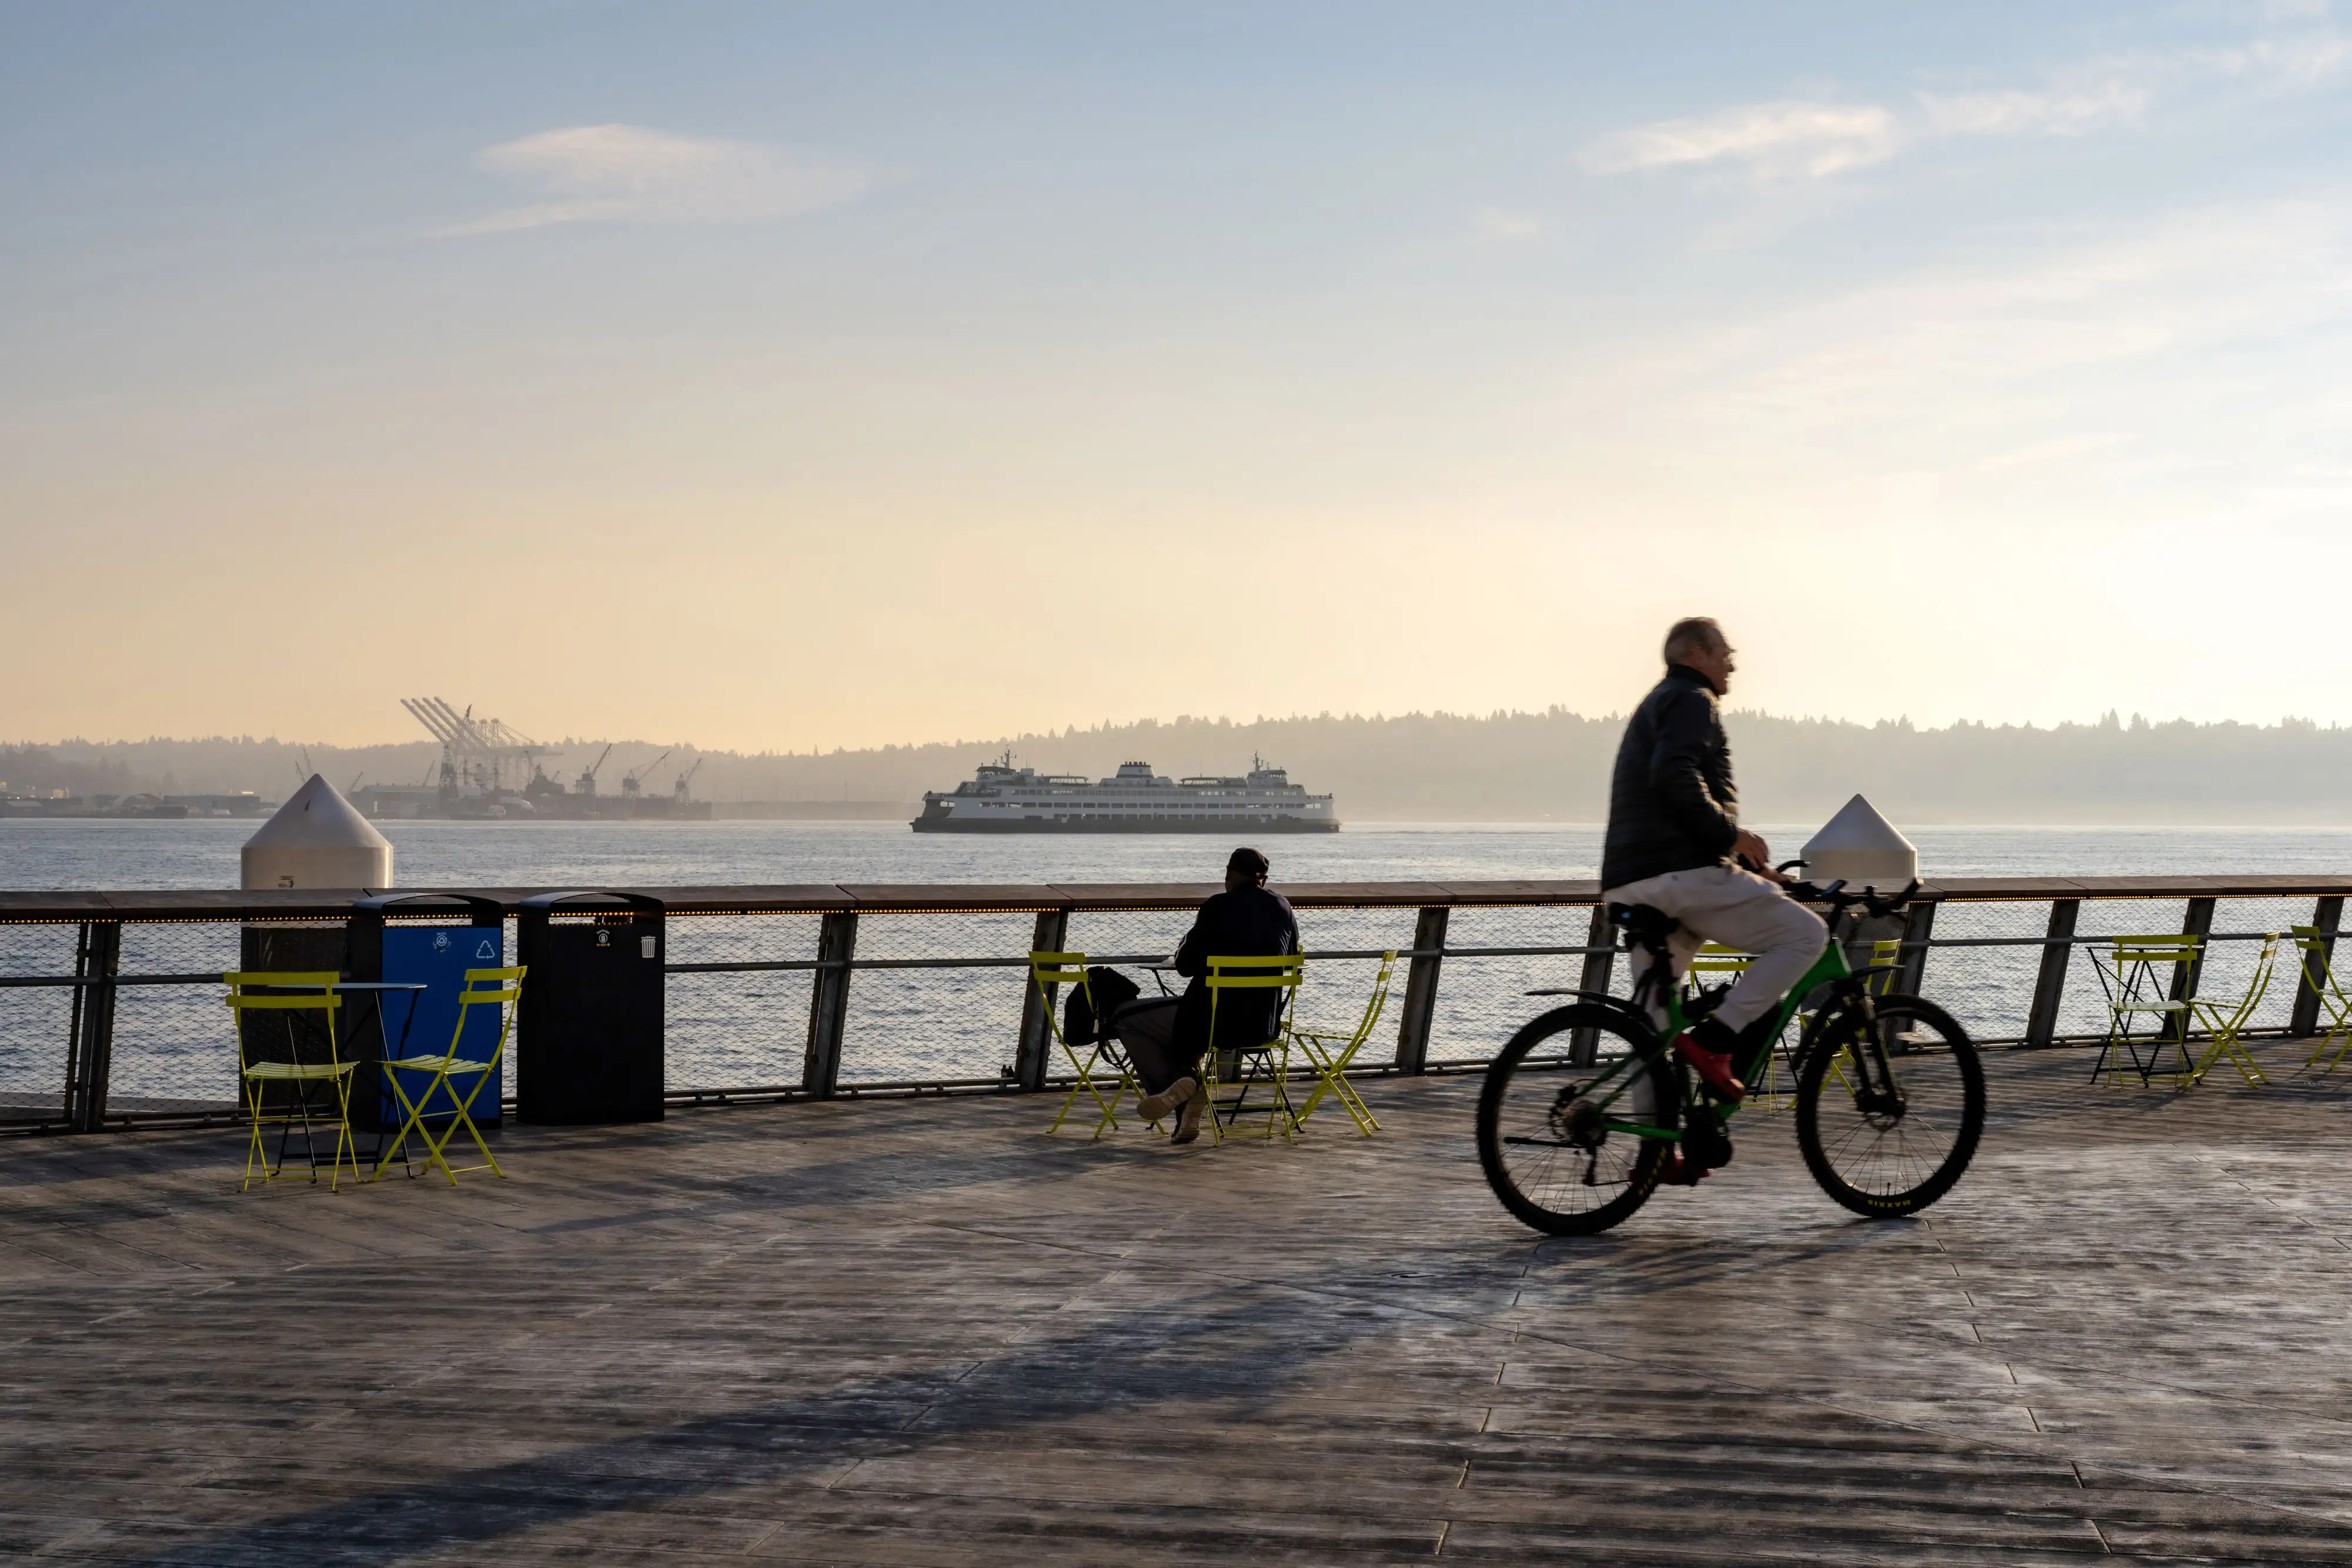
<point x="1247" y="863"/>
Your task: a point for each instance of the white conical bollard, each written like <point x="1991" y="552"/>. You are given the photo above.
<point x="1862" y="848"/>
<point x="318" y="839"/>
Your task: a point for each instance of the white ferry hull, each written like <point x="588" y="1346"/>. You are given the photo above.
<point x="1002" y="798"/>
<point x="947" y="822"/>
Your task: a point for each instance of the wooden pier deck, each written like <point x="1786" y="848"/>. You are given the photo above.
<point x="926" y="1333"/>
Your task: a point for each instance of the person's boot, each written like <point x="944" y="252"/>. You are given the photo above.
<point x="1155" y="1107"/>
<point x="1708" y="1048"/>
<point x="1188" y="1119"/>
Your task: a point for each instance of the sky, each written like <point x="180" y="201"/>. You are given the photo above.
<point x="780" y="377"/>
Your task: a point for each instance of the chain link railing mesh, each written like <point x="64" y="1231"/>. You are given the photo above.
<point x="1990" y="990"/>
<point x="1482" y="1000"/>
<point x="738" y="1029"/>
<point x="33" y="1020"/>
<point x="952" y="1025"/>
<point x="174" y="1046"/>
<point x="174" y="1049"/>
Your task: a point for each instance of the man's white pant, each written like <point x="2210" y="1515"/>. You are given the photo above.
<point x="1739" y="909"/>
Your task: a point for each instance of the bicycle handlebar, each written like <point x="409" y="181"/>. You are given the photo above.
<point x="1838" y="899"/>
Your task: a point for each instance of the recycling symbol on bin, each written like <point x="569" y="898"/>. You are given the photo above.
<point x="440" y="941"/>
<point x="484" y="950"/>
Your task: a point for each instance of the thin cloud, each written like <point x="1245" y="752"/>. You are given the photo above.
<point x="1787" y="137"/>
<point x="2072" y="111"/>
<point x="629" y="173"/>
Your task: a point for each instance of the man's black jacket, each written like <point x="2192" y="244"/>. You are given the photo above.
<point x="1238" y="921"/>
<point x="1671" y="803"/>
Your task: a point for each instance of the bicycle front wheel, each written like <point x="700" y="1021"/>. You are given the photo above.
<point x="1887" y="1157"/>
<point x="1573" y="1149"/>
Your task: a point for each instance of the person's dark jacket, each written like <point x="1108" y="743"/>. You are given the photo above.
<point x="1671" y="803"/>
<point x="1240" y="921"/>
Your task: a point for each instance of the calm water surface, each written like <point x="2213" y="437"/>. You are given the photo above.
<point x="204" y="854"/>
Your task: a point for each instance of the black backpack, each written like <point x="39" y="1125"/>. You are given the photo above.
<point x="1112" y="991"/>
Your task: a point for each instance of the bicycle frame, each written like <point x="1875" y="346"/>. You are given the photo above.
<point x="1830" y="969"/>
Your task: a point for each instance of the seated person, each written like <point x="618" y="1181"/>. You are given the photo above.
<point x="1165" y="1036"/>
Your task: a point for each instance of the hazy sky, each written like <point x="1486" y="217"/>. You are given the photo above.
<point x="781" y="376"/>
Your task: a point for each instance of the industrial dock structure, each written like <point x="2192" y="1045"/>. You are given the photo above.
<point x="489" y="771"/>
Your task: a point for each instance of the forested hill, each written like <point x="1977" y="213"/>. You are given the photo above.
<point x="1506" y="766"/>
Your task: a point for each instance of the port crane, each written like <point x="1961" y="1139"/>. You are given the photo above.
<point x="481" y="754"/>
<point x="587" y="782"/>
<point x="633" y="782"/>
<point x="678" y="790"/>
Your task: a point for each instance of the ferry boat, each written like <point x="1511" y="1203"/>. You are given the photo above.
<point x="1002" y="798"/>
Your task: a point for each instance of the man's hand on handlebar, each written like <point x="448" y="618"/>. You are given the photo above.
<point x="1751" y="851"/>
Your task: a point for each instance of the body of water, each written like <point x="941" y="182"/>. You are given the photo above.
<point x="204" y="854"/>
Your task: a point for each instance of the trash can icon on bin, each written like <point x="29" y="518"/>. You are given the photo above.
<point x="588" y="1039"/>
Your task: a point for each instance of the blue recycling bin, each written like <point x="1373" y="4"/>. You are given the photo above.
<point x="412" y="938"/>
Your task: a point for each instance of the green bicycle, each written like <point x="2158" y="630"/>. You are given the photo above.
<point x="1584" y="1106"/>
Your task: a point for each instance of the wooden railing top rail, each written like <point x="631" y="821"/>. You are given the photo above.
<point x="966" y="898"/>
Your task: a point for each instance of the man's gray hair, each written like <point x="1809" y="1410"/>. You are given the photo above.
<point x="1692" y="634"/>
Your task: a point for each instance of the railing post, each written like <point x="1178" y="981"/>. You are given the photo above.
<point x="836" y="944"/>
<point x="2050" y="986"/>
<point x="89" y="1050"/>
<point x="1034" y="1052"/>
<point x="1421" y="990"/>
<point x="1584" y="1045"/>
<point x="2197" y="922"/>
<point x="2326" y="914"/>
<point x="1911" y="962"/>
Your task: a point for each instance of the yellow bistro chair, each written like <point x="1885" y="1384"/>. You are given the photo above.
<point x="1330" y="1051"/>
<point x="287" y="992"/>
<point x="498" y="989"/>
<point x="1266" y="1066"/>
<point x="2226" y="1021"/>
<point x="2136" y="973"/>
<point x="1103" y="1057"/>
<point x="2335" y="1007"/>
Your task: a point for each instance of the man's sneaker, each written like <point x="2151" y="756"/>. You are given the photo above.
<point x="1708" y="1049"/>
<point x="1188" y="1120"/>
<point x="1155" y="1107"/>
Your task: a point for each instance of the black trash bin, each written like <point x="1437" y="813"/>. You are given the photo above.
<point x="461" y="931"/>
<point x="588" y="1048"/>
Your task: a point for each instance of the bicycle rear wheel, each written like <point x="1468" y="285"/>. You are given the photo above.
<point x="1561" y="1154"/>
<point x="1881" y="1159"/>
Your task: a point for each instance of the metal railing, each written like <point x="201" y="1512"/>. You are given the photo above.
<point x="111" y="1015"/>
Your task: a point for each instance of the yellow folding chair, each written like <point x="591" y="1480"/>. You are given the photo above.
<point x="2226" y="1021"/>
<point x="1330" y="1050"/>
<point x="1047" y="970"/>
<point x="289" y="992"/>
<point x="2335" y="1007"/>
<point x="2138" y="974"/>
<point x="498" y="989"/>
<point x="1264" y="1066"/>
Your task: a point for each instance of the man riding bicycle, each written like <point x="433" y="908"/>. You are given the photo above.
<point x="1675" y="844"/>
